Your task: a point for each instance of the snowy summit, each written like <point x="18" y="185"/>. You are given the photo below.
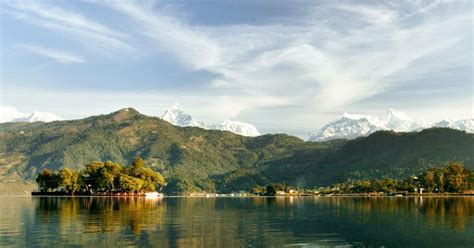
<point x="9" y="114"/>
<point x="351" y="126"/>
<point x="176" y="116"/>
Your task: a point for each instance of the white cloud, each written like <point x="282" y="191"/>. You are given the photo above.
<point x="337" y="56"/>
<point x="84" y="30"/>
<point x="195" y="49"/>
<point x="330" y="68"/>
<point x="60" y="56"/>
<point x="203" y="106"/>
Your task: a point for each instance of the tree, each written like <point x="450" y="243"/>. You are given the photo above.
<point x="151" y="179"/>
<point x="456" y="177"/>
<point x="175" y="154"/>
<point x="138" y="163"/>
<point x="270" y="189"/>
<point x="440" y="181"/>
<point x="93" y="175"/>
<point x="470" y="181"/>
<point x="111" y="174"/>
<point x="47" y="180"/>
<point x="429" y="179"/>
<point x="102" y="175"/>
<point x="69" y="180"/>
<point x="107" y="176"/>
<point x="128" y="183"/>
<point x="258" y="190"/>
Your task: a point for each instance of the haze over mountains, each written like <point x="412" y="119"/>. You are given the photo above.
<point x="351" y="126"/>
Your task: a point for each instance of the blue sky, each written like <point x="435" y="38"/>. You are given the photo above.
<point x="284" y="66"/>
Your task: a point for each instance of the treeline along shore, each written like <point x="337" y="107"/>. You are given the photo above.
<point x="452" y="179"/>
<point x="111" y="179"/>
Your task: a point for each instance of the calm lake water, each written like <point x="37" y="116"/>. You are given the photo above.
<point x="238" y="222"/>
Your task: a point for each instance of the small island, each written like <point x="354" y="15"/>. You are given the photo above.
<point x="99" y="178"/>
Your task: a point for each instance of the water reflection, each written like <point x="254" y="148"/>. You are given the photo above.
<point x="100" y="214"/>
<point x="453" y="212"/>
<point x="198" y="222"/>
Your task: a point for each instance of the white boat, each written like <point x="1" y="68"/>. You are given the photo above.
<point x="153" y="194"/>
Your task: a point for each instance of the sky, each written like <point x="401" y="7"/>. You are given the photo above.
<point x="284" y="66"/>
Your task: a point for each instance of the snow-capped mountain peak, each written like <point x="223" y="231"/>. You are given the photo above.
<point x="372" y="119"/>
<point x="349" y="126"/>
<point x="355" y="116"/>
<point x="41" y="116"/>
<point x="394" y="114"/>
<point x="445" y="123"/>
<point x="9" y="114"/>
<point x="238" y="127"/>
<point x="176" y="116"/>
<point x="399" y="121"/>
<point x="355" y="125"/>
<point x="176" y="107"/>
<point x="466" y="125"/>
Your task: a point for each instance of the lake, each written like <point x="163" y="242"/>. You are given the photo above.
<point x="238" y="222"/>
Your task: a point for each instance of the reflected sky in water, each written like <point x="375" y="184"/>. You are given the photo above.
<point x="225" y="222"/>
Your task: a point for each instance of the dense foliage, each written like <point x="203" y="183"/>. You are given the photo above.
<point x="194" y="159"/>
<point x="452" y="178"/>
<point x="104" y="177"/>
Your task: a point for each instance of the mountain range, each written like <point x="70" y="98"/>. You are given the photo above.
<point x="173" y="115"/>
<point x="195" y="159"/>
<point x="176" y="116"/>
<point x="9" y="114"/>
<point x="351" y="126"/>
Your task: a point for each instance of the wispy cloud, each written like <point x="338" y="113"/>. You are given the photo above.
<point x="60" y="56"/>
<point x="192" y="47"/>
<point x="84" y="30"/>
<point x="333" y="58"/>
<point x="315" y="65"/>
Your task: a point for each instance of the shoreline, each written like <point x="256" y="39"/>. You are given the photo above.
<point x="134" y="195"/>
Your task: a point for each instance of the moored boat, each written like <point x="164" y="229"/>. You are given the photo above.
<point x="153" y="194"/>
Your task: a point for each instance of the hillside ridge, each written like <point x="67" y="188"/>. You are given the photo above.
<point x="195" y="159"/>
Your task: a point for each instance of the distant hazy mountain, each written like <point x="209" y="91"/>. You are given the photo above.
<point x="9" y="114"/>
<point x="466" y="125"/>
<point x="351" y="126"/>
<point x="176" y="116"/>
<point x="446" y="123"/>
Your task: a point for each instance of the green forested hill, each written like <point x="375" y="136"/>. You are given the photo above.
<point x="193" y="159"/>
<point x="382" y="154"/>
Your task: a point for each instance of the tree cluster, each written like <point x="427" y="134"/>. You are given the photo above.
<point x="102" y="177"/>
<point x="452" y="178"/>
<point x="270" y="189"/>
